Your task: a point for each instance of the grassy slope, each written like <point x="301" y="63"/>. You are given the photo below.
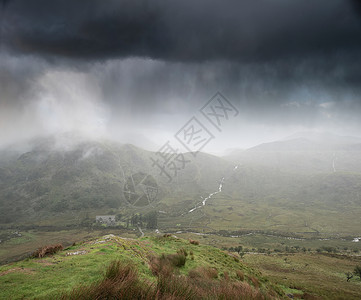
<point x="46" y="277"/>
<point x="319" y="274"/>
<point x="19" y="247"/>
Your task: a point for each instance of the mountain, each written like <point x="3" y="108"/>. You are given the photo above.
<point x="62" y="175"/>
<point x="292" y="185"/>
<point x="324" y="137"/>
<point x="307" y="153"/>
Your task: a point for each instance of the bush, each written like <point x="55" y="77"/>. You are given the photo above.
<point x="329" y="249"/>
<point x="47" y="250"/>
<point x="184" y="252"/>
<point x="160" y="266"/>
<point x="177" y="260"/>
<point x="166" y="263"/>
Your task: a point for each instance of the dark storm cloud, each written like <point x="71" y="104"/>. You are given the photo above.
<point x="150" y="65"/>
<point x="185" y="30"/>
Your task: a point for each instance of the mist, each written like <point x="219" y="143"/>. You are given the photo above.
<point x="120" y="79"/>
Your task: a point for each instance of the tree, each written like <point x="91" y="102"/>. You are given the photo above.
<point x="357" y="271"/>
<point x="238" y="249"/>
<point x="152" y="220"/>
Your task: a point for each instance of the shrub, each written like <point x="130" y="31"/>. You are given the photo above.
<point x="160" y="266"/>
<point x="177" y="260"/>
<point x="183" y="251"/>
<point x="329" y="249"/>
<point x="166" y="263"/>
<point x="47" y="250"/>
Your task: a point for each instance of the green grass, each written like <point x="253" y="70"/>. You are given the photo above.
<point x="26" y="237"/>
<point x="284" y="215"/>
<point x="46" y="277"/>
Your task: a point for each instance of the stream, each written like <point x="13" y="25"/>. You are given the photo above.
<point x="203" y="203"/>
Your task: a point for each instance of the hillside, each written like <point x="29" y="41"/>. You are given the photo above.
<point x="150" y="266"/>
<point x="64" y="177"/>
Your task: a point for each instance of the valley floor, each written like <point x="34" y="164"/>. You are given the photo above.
<point x="314" y="274"/>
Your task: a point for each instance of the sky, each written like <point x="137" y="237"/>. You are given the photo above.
<point x="138" y="71"/>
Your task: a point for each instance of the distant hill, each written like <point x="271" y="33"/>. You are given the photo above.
<point x="306" y="153"/>
<point x="325" y="138"/>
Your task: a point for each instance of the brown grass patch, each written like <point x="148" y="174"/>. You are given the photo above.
<point x="194" y="242"/>
<point x="254" y="281"/>
<point x="203" y="272"/>
<point x="240" y="275"/>
<point x="17" y="270"/>
<point x="46" y="263"/>
<point x="47" y="250"/>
